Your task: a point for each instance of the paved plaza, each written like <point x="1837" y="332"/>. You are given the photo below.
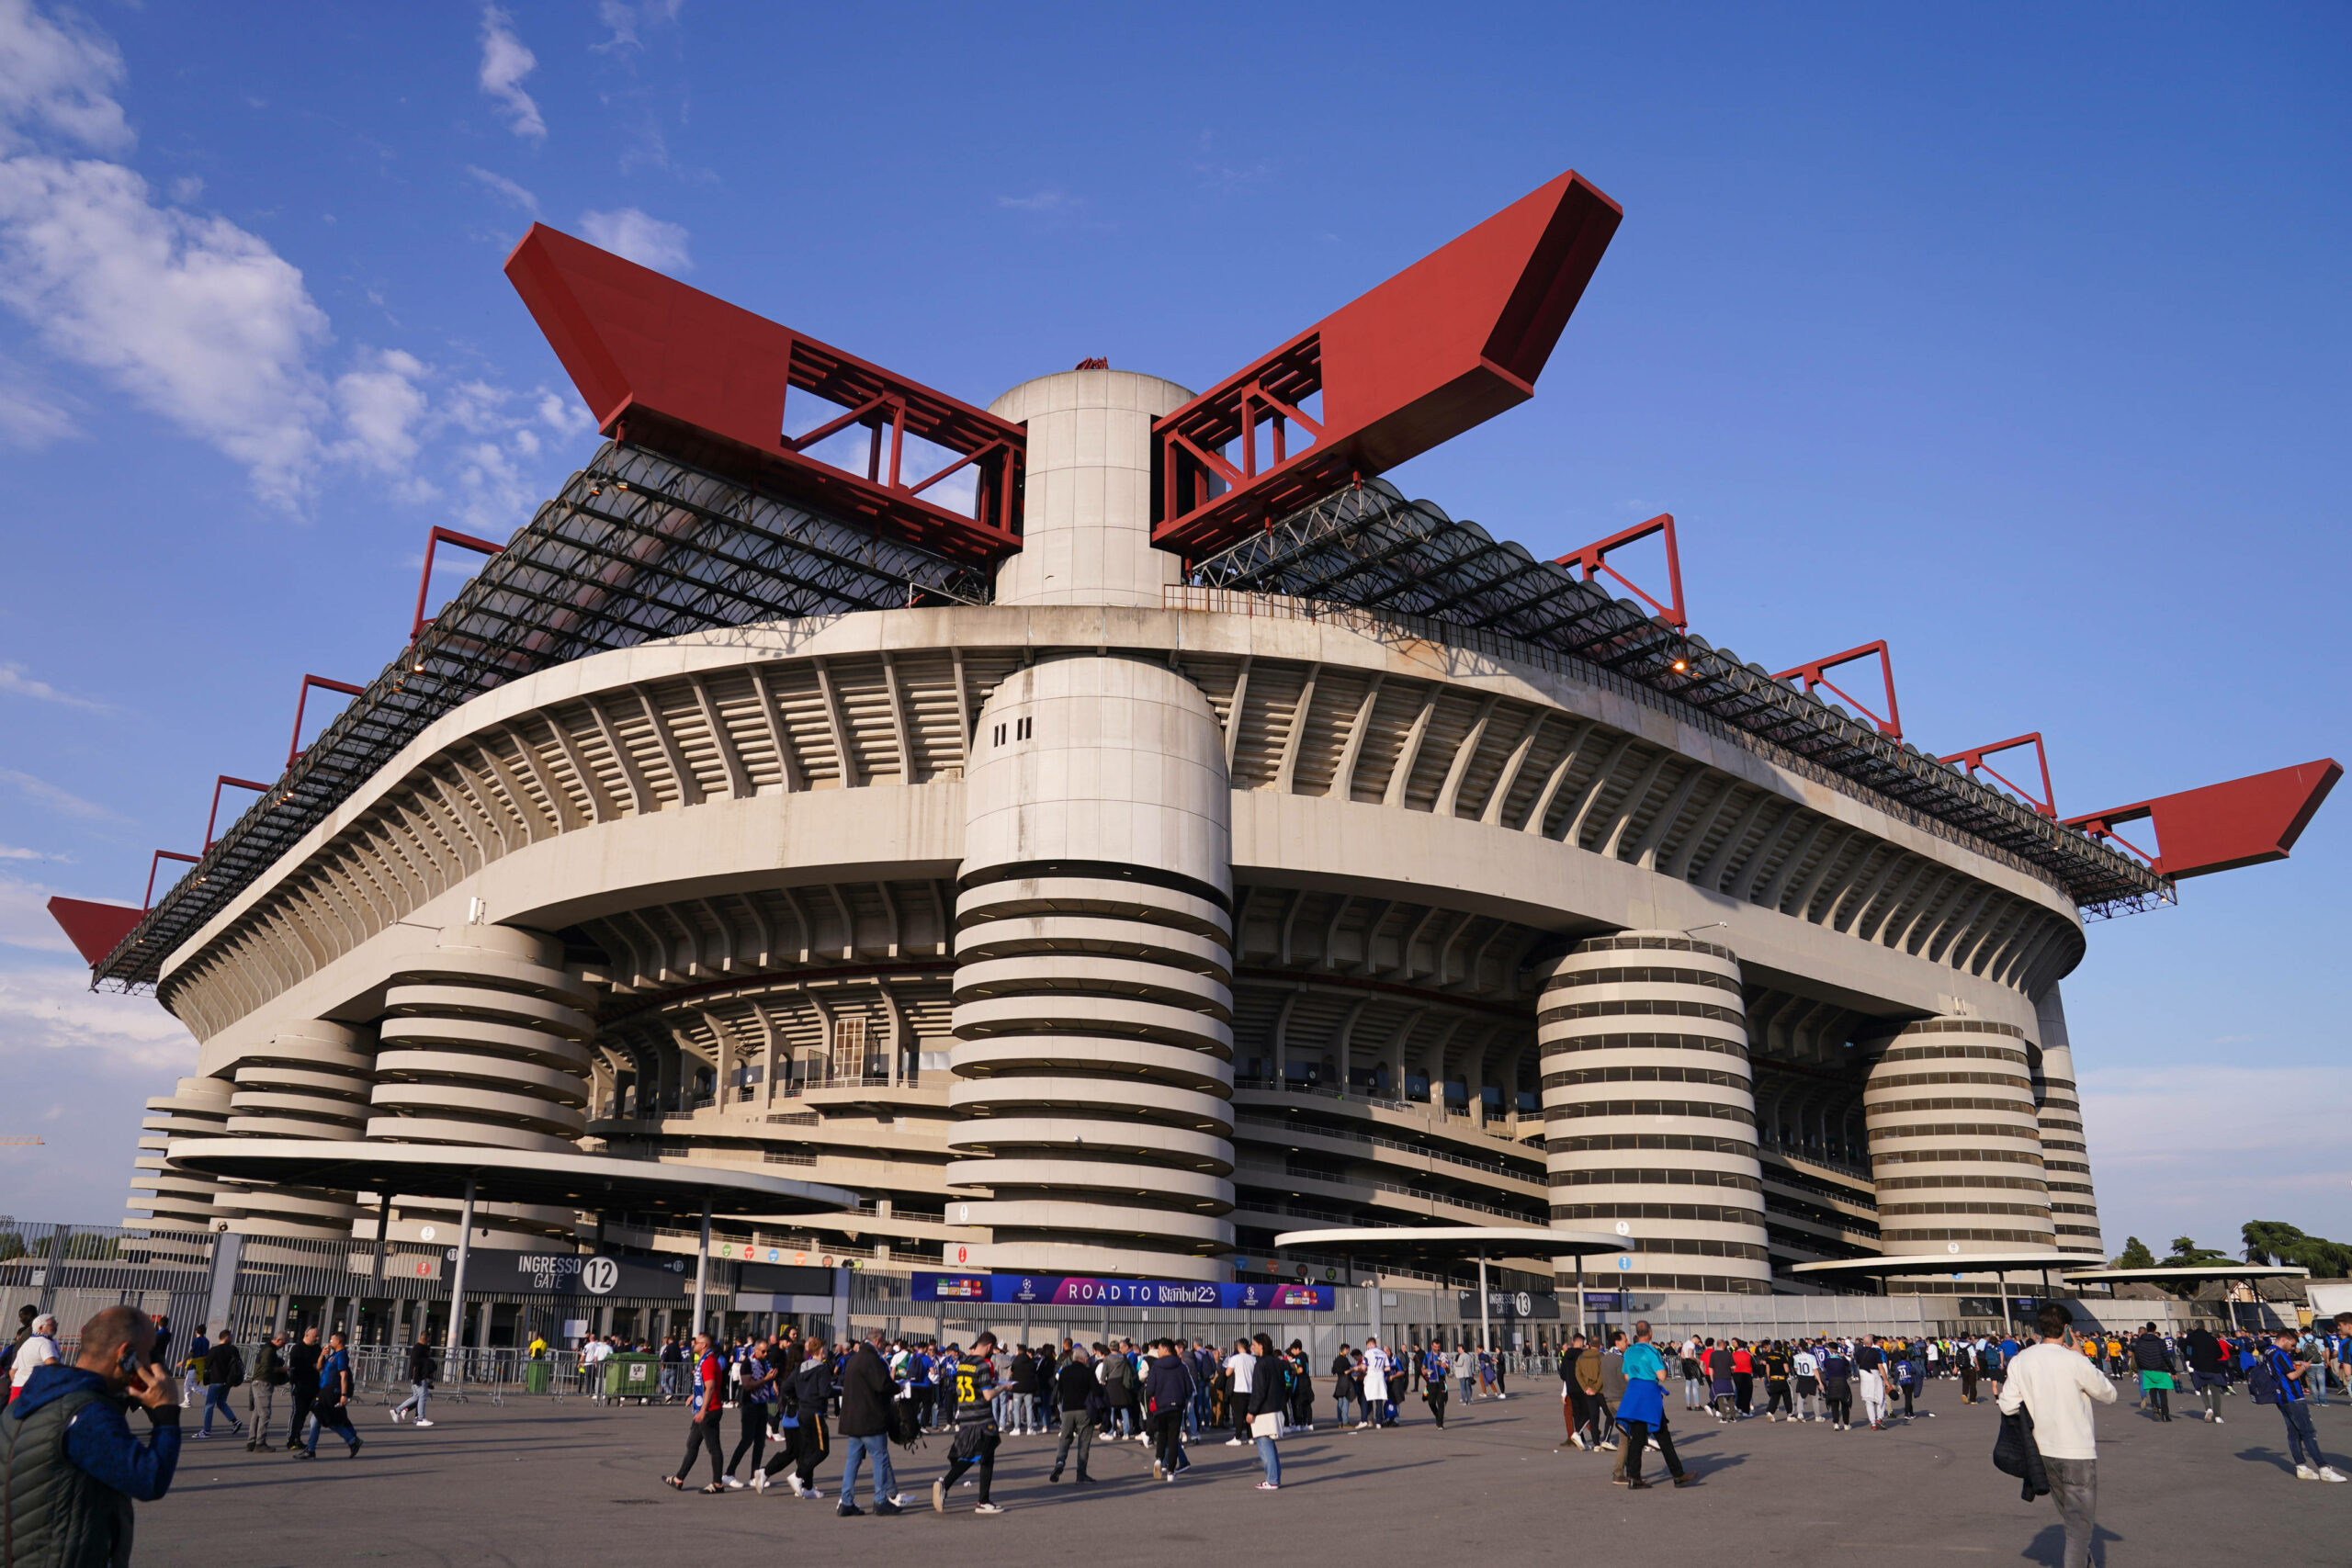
<point x="577" y="1485"/>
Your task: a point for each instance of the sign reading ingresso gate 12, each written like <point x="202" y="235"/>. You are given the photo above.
<point x="1054" y="1290"/>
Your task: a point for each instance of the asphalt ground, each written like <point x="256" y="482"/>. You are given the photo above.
<point x="576" y="1485"/>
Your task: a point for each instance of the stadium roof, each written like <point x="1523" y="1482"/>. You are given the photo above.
<point x="1369" y="548"/>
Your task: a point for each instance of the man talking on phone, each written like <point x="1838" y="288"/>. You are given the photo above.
<point x="72" y="1467"/>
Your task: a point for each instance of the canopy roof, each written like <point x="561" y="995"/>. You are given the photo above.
<point x="2184" y="1272"/>
<point x="1462" y="1241"/>
<point x="1946" y="1263"/>
<point x="504" y="1176"/>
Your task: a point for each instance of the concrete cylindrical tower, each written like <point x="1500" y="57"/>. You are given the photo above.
<point x="311" y="1081"/>
<point x="484" y="1042"/>
<point x="178" y="1200"/>
<point x="1094" y="999"/>
<point x="1955" y="1144"/>
<point x="1650" y="1112"/>
<point x="2066" y="1155"/>
<point x="1086" y="502"/>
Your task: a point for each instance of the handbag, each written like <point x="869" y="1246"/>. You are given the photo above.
<point x="2016" y="1453"/>
<point x="1269" y="1424"/>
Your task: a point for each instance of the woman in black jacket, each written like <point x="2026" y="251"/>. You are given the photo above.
<point x="1269" y="1397"/>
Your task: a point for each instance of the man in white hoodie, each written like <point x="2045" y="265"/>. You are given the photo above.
<point x="2056" y="1384"/>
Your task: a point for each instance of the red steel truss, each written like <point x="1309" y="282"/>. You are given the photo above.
<point x="213" y="816"/>
<point x="2222" y="826"/>
<point x="1594" y="560"/>
<point x="433" y="539"/>
<point x="677" y="371"/>
<point x="1817" y="674"/>
<point x="1973" y="759"/>
<point x="1448" y="342"/>
<point x="301" y="700"/>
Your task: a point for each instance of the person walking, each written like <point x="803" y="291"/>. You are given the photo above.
<point x="1073" y="1387"/>
<point x="35" y="1348"/>
<point x="2056" y="1384"/>
<point x="2153" y="1360"/>
<point x="1837" y="1388"/>
<point x="1966" y="1357"/>
<point x="1775" y="1361"/>
<point x="2278" y="1378"/>
<point x="706" y="1408"/>
<point x="72" y="1469"/>
<point x="1301" y="1374"/>
<point x="1694" y="1376"/>
<point x="1167" y="1394"/>
<point x="330" y="1409"/>
<point x="1378" y="1410"/>
<point x="263" y="1381"/>
<point x="1268" y="1398"/>
<point x="1571" y="1396"/>
<point x="973" y="1376"/>
<point x="1805" y="1368"/>
<point x="810" y="1394"/>
<point x="1435" y="1369"/>
<point x="1869" y="1382"/>
<point x="419" y="1382"/>
<point x="867" y="1392"/>
<point x="755" y="1411"/>
<point x="303" y="1379"/>
<point x="1641" y="1411"/>
<point x="224" y="1369"/>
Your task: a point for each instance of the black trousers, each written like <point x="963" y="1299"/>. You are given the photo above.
<point x="984" y="1457"/>
<point x="1841" y="1409"/>
<point x="1780" y="1401"/>
<point x="1167" y="1430"/>
<point x="305" y="1397"/>
<point x="1743" y="1389"/>
<point x="808" y="1447"/>
<point x="1437" y="1403"/>
<point x="706" y="1432"/>
<point x="1637" y="1433"/>
<point x="753" y="1438"/>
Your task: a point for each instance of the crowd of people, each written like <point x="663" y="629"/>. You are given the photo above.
<point x="796" y="1398"/>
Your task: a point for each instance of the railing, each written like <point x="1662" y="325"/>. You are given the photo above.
<point x="1512" y="1215"/>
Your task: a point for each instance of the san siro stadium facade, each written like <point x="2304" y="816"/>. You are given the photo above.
<point x="1157" y="836"/>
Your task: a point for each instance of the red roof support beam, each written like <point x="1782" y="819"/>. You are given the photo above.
<point x="1973" y="759"/>
<point x="223" y="782"/>
<point x="94" y="929"/>
<point x="424" y="581"/>
<point x="1448" y="342"/>
<point x="673" y="369"/>
<point x="147" y="899"/>
<point x="2243" y="821"/>
<point x="1594" y="560"/>
<point x="1817" y="674"/>
<point x="301" y="698"/>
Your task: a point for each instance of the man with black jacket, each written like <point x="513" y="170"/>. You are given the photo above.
<point x="302" y="1376"/>
<point x="866" y="1393"/>
<point x="2150" y="1355"/>
<point x="973" y="1381"/>
<point x="224" y="1369"/>
<point x="266" y="1376"/>
<point x="1073" y="1387"/>
<point x="1167" y="1394"/>
<point x="2208" y="1370"/>
<point x="809" y="1395"/>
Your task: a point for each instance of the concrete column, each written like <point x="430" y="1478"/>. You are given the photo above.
<point x="311" y="1081"/>
<point x="1093" y="995"/>
<point x="1086" y="507"/>
<point x="1644" y="1038"/>
<point x="2065" y="1152"/>
<point x="1955" y="1141"/>
<point x="485" y="1042"/>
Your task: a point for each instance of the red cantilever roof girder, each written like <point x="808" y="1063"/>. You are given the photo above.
<point x="686" y="374"/>
<point x="1973" y="759"/>
<point x="2222" y="826"/>
<point x="1594" y="559"/>
<point x="1817" y="673"/>
<point x="1447" y="343"/>
<point x="94" y="929"/>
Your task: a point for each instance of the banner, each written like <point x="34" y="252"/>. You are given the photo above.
<point x="1510" y="1306"/>
<point x="569" y="1274"/>
<point x="1054" y="1290"/>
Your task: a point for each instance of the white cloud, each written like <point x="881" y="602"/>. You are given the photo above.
<point x="24" y="916"/>
<point x="646" y="241"/>
<point x="620" y="19"/>
<point x="382" y="404"/>
<point x="492" y="487"/>
<point x="564" y="415"/>
<point x="17" y="851"/>
<point x="500" y="184"/>
<point x="54" y="1008"/>
<point x="14" y="680"/>
<point x="58" y="77"/>
<point x="504" y="62"/>
<point x="40" y="792"/>
<point x="32" y="414"/>
<point x="192" y="317"/>
<point x="1053" y="198"/>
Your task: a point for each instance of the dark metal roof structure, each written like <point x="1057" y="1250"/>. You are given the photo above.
<point x="637" y="548"/>
<point x="1369" y="548"/>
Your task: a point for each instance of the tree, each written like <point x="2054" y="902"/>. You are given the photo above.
<point x="2136" y="1255"/>
<point x="2275" y="1241"/>
<point x="2186" y="1253"/>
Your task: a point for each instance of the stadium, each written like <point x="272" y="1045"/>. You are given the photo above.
<point x="1106" y="831"/>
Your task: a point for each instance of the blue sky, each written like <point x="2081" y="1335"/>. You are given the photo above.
<point x="2014" y="335"/>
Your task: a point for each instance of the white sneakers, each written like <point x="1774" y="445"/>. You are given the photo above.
<point x="2329" y="1472"/>
<point x="731" y="1483"/>
<point x="421" y="1421"/>
<point x="793" y="1480"/>
<point x="2305" y="1473"/>
<point x="759" y="1480"/>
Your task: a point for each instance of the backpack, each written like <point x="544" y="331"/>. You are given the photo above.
<point x="905" y="1430"/>
<point x="2262" y="1382"/>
